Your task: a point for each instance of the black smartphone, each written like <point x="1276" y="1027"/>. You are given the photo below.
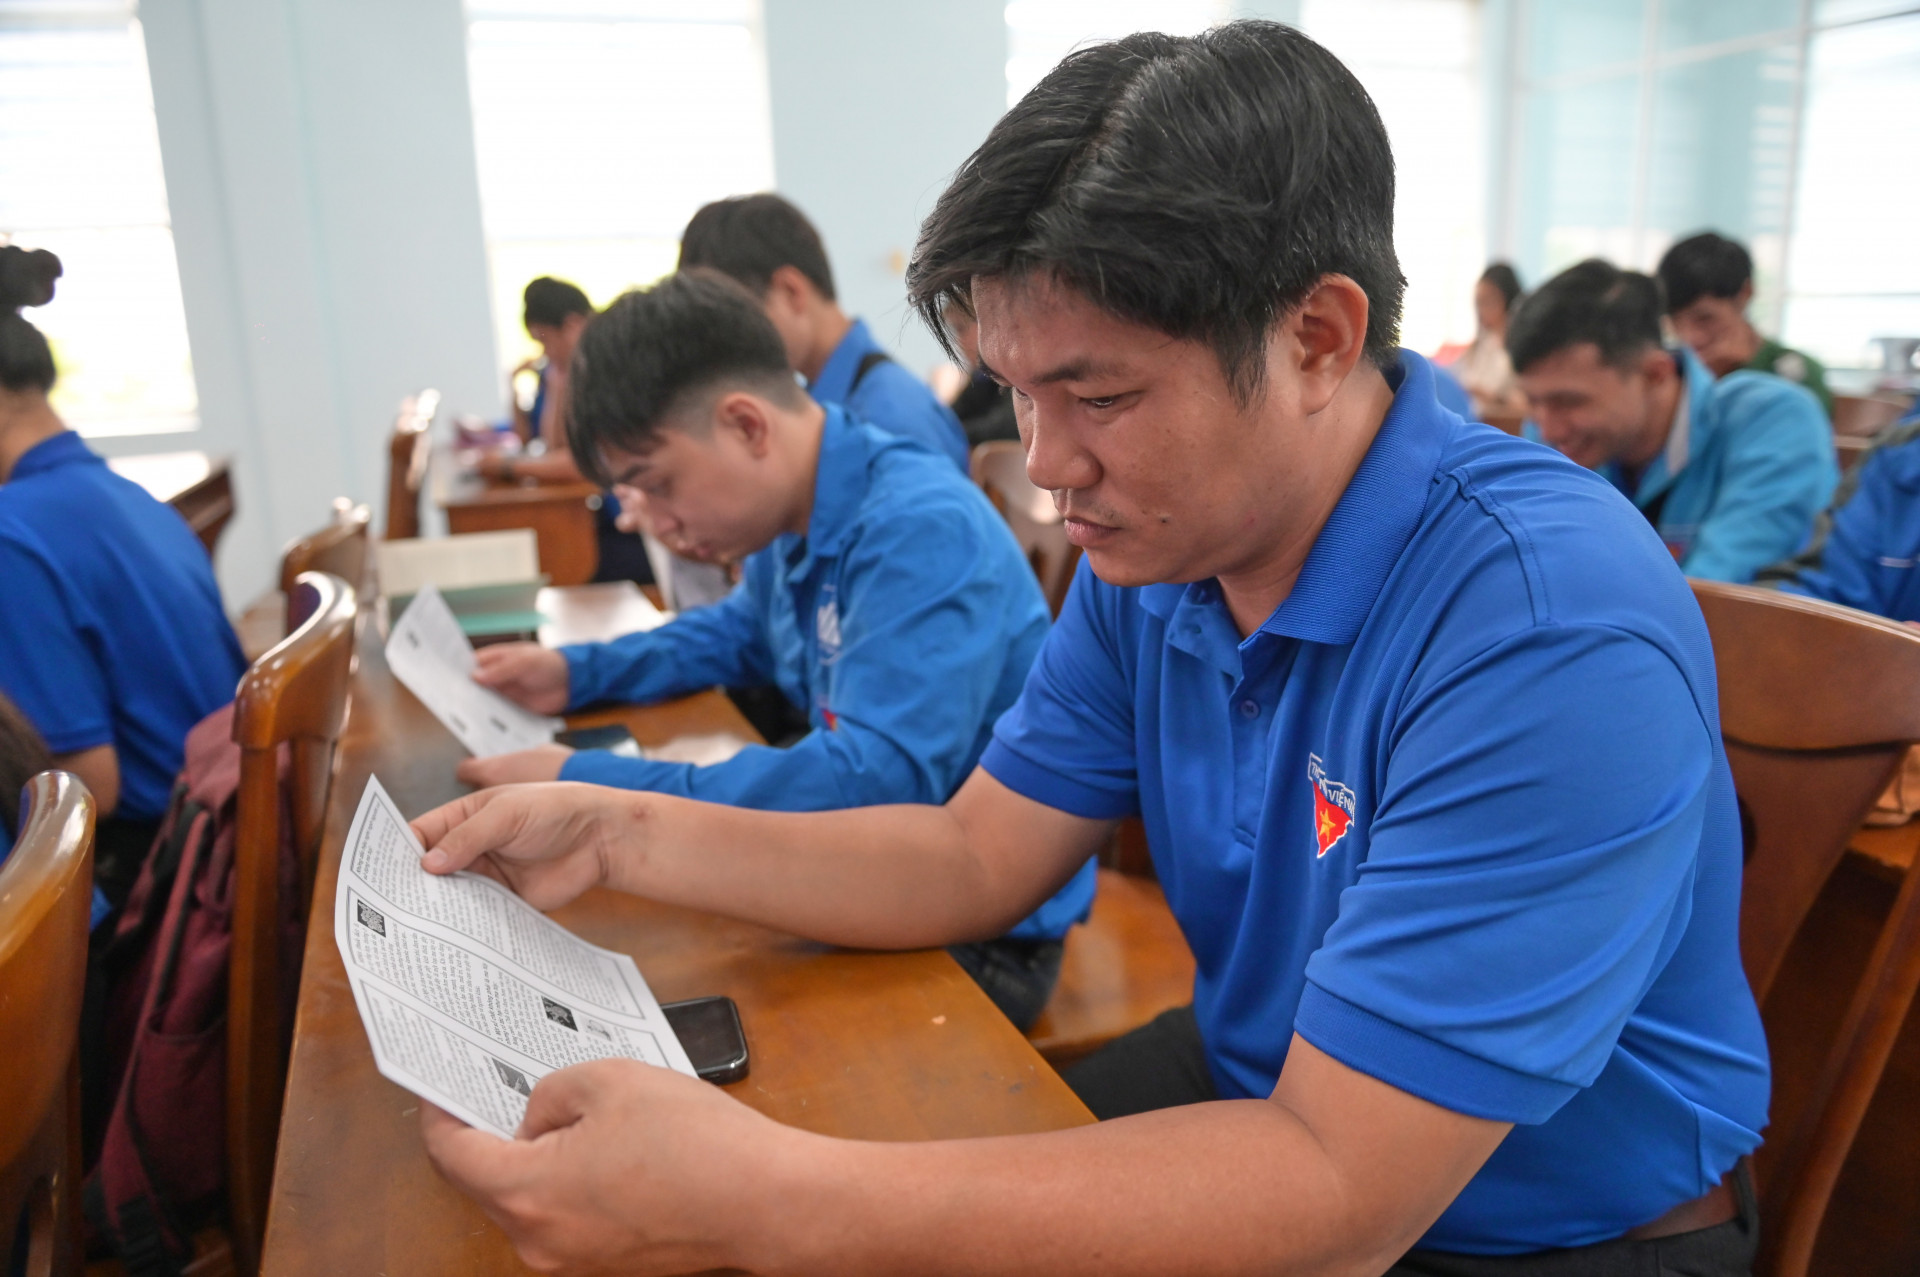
<point x="709" y="1028"/>
<point x="609" y="737"/>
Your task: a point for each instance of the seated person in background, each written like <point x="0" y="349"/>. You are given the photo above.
<point x="1417" y="717"/>
<point x="1709" y="283"/>
<point x="771" y="248"/>
<point x="1484" y="369"/>
<point x="556" y="314"/>
<point x="1865" y="549"/>
<point x="984" y="406"/>
<point x="113" y="641"/>
<point x="1729" y="472"/>
<point x="882" y="593"/>
<point x="23" y="755"/>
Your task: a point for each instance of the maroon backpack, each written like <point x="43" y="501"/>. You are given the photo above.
<point x="162" y="1166"/>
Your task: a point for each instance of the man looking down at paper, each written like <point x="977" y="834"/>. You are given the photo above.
<point x="881" y="592"/>
<point x="1420" y="718"/>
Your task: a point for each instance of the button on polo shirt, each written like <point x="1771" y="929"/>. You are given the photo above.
<point x="1457" y="813"/>
<point x="111" y="627"/>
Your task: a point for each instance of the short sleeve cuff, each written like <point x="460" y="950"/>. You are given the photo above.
<point x="1421" y="1066"/>
<point x="1044" y="785"/>
<point x="71" y="738"/>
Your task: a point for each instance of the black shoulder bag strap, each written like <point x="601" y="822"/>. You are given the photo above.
<point x="868" y="362"/>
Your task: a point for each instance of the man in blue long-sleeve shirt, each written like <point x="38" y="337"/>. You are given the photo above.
<point x="773" y="251"/>
<point x="1865" y="549"/>
<point x="882" y="593"/>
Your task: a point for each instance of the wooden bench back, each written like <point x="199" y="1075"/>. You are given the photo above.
<point x="1818" y="705"/>
<point x="339" y="549"/>
<point x="999" y="466"/>
<point x="407" y="454"/>
<point x="46" y="896"/>
<point x="296" y="696"/>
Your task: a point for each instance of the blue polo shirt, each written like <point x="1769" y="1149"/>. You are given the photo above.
<point x="1457" y="813"/>
<point x="1865" y="549"/>
<point x="903" y="623"/>
<point x="111" y="627"/>
<point x="888" y="396"/>
<point x="1747" y="465"/>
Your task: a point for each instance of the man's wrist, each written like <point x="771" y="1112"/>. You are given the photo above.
<point x="796" y="1213"/>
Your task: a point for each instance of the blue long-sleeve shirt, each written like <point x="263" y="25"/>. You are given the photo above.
<point x="903" y="623"/>
<point x="1745" y="470"/>
<point x="1865" y="546"/>
<point x="888" y="396"/>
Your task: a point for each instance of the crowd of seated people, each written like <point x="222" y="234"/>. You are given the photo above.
<point x="1327" y="630"/>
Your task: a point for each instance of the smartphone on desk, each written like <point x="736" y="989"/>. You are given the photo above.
<point x="709" y="1029"/>
<point x="614" y="738"/>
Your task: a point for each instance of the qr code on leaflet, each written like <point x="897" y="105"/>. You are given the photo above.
<point x="370" y="918"/>
<point x="511" y="1078"/>
<point x="560" y="1015"/>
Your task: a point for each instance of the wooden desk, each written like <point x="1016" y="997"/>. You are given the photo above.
<point x="561" y="515"/>
<point x="198" y="486"/>
<point x="867" y="1045"/>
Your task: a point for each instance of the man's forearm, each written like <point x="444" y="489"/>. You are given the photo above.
<point x="1229" y="1187"/>
<point x="897" y="877"/>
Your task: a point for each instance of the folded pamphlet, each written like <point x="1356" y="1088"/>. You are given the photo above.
<point x="469" y="994"/>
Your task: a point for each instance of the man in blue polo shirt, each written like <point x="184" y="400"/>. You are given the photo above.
<point x="1730" y="472"/>
<point x="1420" y="718"/>
<point x="882" y="594"/>
<point x="113" y="641"/>
<point x="771" y="248"/>
<point x="1865" y="546"/>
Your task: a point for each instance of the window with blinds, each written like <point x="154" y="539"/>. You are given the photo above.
<point x="80" y="175"/>
<point x="599" y="127"/>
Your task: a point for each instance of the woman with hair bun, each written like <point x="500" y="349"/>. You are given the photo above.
<point x="113" y="640"/>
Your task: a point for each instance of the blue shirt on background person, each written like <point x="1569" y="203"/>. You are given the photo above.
<point x="1527" y="915"/>
<point x="1747" y="465"/>
<point x="902" y="624"/>
<point x="112" y="630"/>
<point x="887" y="395"/>
<point x="1865" y="546"/>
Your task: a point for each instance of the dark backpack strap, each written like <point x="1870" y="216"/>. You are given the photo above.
<point x="868" y="362"/>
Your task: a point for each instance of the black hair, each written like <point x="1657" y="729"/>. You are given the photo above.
<point x="550" y="301"/>
<point x="1595" y="301"/>
<point x="1503" y="277"/>
<point x="1704" y="265"/>
<point x="645" y="356"/>
<point x="26" y="279"/>
<point x="1200" y="186"/>
<point x="23" y="755"/>
<point x="748" y="237"/>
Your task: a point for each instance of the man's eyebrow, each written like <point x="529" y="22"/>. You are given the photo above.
<point x="1072" y="370"/>
<point x="626" y="477"/>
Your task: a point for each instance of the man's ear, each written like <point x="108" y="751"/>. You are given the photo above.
<point x="1658" y="365"/>
<point x="1324" y="337"/>
<point x="1745" y="295"/>
<point x="795" y="291"/>
<point x="749" y="418"/>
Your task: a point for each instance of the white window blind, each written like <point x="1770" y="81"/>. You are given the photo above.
<point x="80" y="175"/>
<point x="600" y="126"/>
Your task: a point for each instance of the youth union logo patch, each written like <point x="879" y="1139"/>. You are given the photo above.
<point x="826" y="628"/>
<point x="1332" y="806"/>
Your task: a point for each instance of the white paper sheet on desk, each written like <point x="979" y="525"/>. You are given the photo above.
<point x="469" y="994"/>
<point x="433" y="658"/>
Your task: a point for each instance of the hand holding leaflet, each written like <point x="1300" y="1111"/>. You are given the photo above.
<point x="468" y="993"/>
<point x="432" y="657"/>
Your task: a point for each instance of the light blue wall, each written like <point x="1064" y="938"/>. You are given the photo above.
<point x="320" y="173"/>
<point x="875" y="104"/>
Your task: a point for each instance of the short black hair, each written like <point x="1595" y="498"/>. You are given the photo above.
<point x="1595" y="301"/>
<point x="1197" y="185"/>
<point x="23" y="755"/>
<point x="1704" y="265"/>
<point x="26" y="279"/>
<point x="748" y="237"/>
<point x="1503" y="277"/>
<point x="642" y="358"/>
<point x="550" y="301"/>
